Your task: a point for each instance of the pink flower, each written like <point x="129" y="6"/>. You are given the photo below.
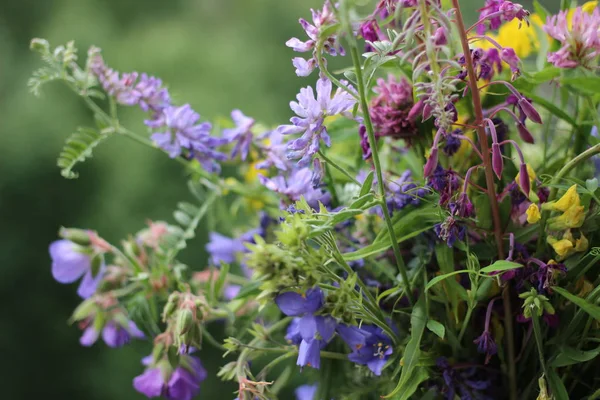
<point x="580" y="45"/>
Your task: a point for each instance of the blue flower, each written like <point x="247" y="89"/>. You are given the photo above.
<point x="315" y="331"/>
<point x="306" y="392"/>
<point x="70" y="262"/>
<point x="223" y="249"/>
<point x="241" y="134"/>
<point x="311" y="113"/>
<point x="370" y="345"/>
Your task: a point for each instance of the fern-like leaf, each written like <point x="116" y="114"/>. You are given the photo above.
<point x="41" y="77"/>
<point x="78" y="148"/>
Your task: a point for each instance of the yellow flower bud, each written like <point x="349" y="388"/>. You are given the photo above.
<point x="563" y="247"/>
<point x="533" y="213"/>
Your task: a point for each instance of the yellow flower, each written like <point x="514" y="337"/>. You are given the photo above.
<point x="582" y="244"/>
<point x="572" y="218"/>
<point x="569" y="199"/>
<point x="563" y="247"/>
<point x="533" y="213"/>
<point x="589" y="6"/>
<point x="252" y="173"/>
<point x="583" y="287"/>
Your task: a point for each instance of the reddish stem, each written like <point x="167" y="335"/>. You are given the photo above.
<point x="489" y="177"/>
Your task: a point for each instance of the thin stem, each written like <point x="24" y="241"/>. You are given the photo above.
<point x="377" y="163"/>
<point x="489" y="178"/>
<point x="537" y="333"/>
<point x="329" y="75"/>
<point x="338" y="167"/>
<point x="466" y="321"/>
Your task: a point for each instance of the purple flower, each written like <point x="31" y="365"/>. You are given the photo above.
<point x="509" y="56"/>
<point x="450" y="231"/>
<point x="462" y="207"/>
<point x="181" y="384"/>
<point x="496" y="11"/>
<point x="223" y="249"/>
<point x="364" y="142"/>
<point x="296" y="185"/>
<point x="444" y="181"/>
<point x="486" y="345"/>
<point x="403" y="192"/>
<point x="331" y="45"/>
<point x="463" y="383"/>
<point x="276" y="152"/>
<point x="580" y="41"/>
<point x="452" y="143"/>
<point x="147" y="92"/>
<point x="70" y="262"/>
<point x="311" y="114"/>
<point x="178" y="129"/>
<point x="314" y="330"/>
<point x="370" y="31"/>
<point x="241" y="134"/>
<point x="370" y="345"/>
<point x="114" y="334"/>
<point x="391" y="107"/>
<point x="306" y="392"/>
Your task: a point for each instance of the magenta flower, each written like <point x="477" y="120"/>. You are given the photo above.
<point x="311" y="113"/>
<point x="183" y="383"/>
<point x="70" y="262"/>
<point x="580" y="45"/>
<point x="241" y="134"/>
<point x="114" y="334"/>
<point x="332" y="46"/>
<point x="496" y="11"/>
<point x="391" y="107"/>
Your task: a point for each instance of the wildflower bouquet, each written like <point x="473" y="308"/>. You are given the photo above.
<point x="425" y="226"/>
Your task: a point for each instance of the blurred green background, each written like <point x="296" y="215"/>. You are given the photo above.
<point x="216" y="55"/>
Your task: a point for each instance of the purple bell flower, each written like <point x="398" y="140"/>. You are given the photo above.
<point x="306" y="392"/>
<point x="69" y="263"/>
<point x="314" y="330"/>
<point x="181" y="384"/>
<point x="113" y="334"/>
<point x="370" y="346"/>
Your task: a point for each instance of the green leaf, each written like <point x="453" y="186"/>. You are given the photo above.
<point x="570" y="356"/>
<point x="557" y="387"/>
<point x="583" y="84"/>
<point x="500" y="265"/>
<point x="545" y="75"/>
<point x="436" y="328"/>
<point x="440" y="278"/>
<point x="483" y="211"/>
<point x="367" y="184"/>
<point x="78" y="147"/>
<point x="418" y="376"/>
<point x="220" y="282"/>
<point x="589" y="308"/>
<point x="540" y="10"/>
<point x="591" y="184"/>
<point x="412" y="351"/>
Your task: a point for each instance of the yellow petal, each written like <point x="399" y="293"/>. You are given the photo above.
<point x="582" y="244"/>
<point x="589" y="6"/>
<point x="570" y="198"/>
<point x="533" y="213"/>
<point x="563" y="248"/>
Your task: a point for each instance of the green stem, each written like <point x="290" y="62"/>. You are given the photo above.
<point x="463" y="328"/>
<point x="537" y="331"/>
<point x="376" y="162"/>
<point x="328" y="74"/>
<point x="338" y="167"/>
<point x="331" y="186"/>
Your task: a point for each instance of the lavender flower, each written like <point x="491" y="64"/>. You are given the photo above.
<point x="580" y="40"/>
<point x="370" y="345"/>
<point x="70" y="262"/>
<point x="311" y="114"/>
<point x="390" y="109"/>
<point x="403" y="192"/>
<point x="452" y="143"/>
<point x="297" y="184"/>
<point x="178" y="129"/>
<point x="223" y="249"/>
<point x="321" y="19"/>
<point x="276" y="152"/>
<point x="114" y="334"/>
<point x="182" y="383"/>
<point x="496" y="11"/>
<point x="315" y="330"/>
<point x="241" y="134"/>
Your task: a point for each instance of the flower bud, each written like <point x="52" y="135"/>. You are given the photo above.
<point x="524" y="182"/>
<point x="77" y="236"/>
<point x="185" y="321"/>
<point x="497" y="161"/>
<point x="529" y="110"/>
<point x="39" y="45"/>
<point x="524" y="133"/>
<point x="431" y="163"/>
<point x="170" y="306"/>
<point x="416" y="110"/>
<point x="318" y="172"/>
<point x="440" y="37"/>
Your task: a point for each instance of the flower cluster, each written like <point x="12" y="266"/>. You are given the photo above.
<point x="416" y="254"/>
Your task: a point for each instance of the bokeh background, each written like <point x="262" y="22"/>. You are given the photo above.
<point x="216" y="55"/>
